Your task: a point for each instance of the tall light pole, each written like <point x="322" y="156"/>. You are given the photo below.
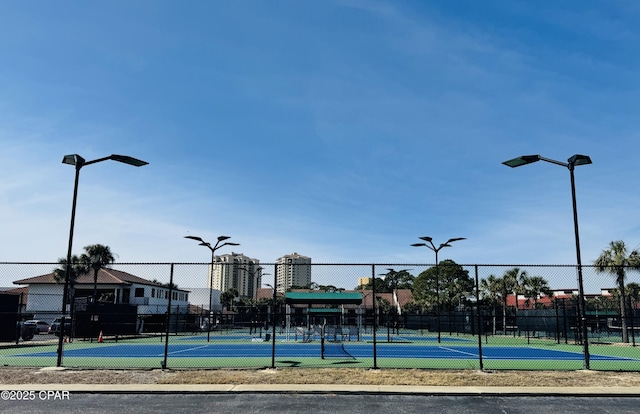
<point x="574" y="160"/>
<point x="435" y="249"/>
<point x="79" y="162"/>
<point x="213" y="258"/>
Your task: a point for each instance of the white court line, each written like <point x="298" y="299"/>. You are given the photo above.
<point x="458" y="351"/>
<point x="184" y="350"/>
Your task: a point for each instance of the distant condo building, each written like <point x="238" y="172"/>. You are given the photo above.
<point x="236" y="271"/>
<point x="364" y="281"/>
<point x="293" y="270"/>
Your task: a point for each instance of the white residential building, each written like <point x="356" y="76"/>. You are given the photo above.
<point x="293" y="270"/>
<point x="44" y="297"/>
<point x="236" y="271"/>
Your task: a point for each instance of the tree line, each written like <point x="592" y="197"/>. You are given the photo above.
<point x="448" y="286"/>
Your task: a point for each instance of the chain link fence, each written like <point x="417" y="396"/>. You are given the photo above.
<point x="448" y="316"/>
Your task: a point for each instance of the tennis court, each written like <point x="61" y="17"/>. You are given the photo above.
<point x="235" y="350"/>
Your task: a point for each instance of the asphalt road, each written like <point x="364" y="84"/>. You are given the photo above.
<point x="243" y="403"/>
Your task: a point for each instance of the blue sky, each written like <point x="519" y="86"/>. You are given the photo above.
<point x="342" y="129"/>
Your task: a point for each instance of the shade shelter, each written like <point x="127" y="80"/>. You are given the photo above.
<point x="316" y="308"/>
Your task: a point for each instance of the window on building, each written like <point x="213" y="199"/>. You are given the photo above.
<point x="139" y="293"/>
<point x="153" y="292"/>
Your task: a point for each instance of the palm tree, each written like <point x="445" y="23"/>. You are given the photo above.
<point x="633" y="291"/>
<point x="490" y="288"/>
<point x="510" y="284"/>
<point x="97" y="256"/>
<point x="536" y="286"/>
<point x="520" y="279"/>
<point x="616" y="260"/>
<point x="77" y="268"/>
<point x="227" y="298"/>
<point x="246" y="305"/>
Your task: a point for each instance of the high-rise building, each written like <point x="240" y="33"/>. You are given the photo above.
<point x="364" y="281"/>
<point x="236" y="271"/>
<point x="293" y="270"/>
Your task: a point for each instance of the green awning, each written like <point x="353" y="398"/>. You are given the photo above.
<point x="602" y="313"/>
<point x="326" y="298"/>
<point x="324" y="310"/>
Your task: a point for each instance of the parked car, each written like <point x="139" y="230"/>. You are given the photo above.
<point x="41" y="326"/>
<point x="27" y="330"/>
<point x="55" y="326"/>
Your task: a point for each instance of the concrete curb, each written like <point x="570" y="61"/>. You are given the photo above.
<point x="322" y="389"/>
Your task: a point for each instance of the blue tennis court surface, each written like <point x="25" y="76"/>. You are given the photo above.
<point x="292" y="350"/>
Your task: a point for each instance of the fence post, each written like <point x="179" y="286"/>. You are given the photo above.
<point x="479" y="320"/>
<point x="19" y="324"/>
<point x="564" y="321"/>
<point x="375" y="316"/>
<point x="166" y="338"/>
<point x="633" y="329"/>
<point x="555" y="305"/>
<point x="274" y="314"/>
